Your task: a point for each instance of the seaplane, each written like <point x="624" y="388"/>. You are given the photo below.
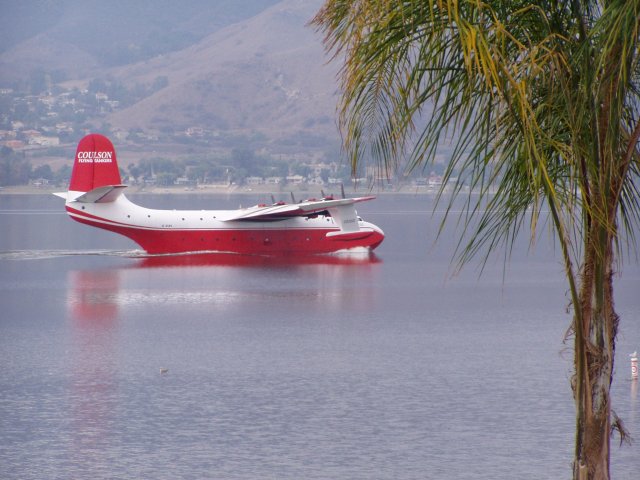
<point x="96" y="198"/>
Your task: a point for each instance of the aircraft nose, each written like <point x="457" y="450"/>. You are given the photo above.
<point x="378" y="235"/>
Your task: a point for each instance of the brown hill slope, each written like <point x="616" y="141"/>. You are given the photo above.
<point x="44" y="53"/>
<point x="268" y="74"/>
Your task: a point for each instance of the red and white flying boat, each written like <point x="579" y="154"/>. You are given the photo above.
<point x="96" y="198"/>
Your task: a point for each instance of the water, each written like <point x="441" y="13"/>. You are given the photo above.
<point x="358" y="368"/>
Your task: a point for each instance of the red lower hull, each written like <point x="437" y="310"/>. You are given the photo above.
<point x="247" y="241"/>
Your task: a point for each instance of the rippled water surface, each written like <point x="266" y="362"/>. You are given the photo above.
<point x="117" y="365"/>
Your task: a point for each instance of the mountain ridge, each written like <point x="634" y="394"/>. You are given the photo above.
<point x="266" y="74"/>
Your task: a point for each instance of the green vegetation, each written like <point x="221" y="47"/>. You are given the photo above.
<point x="544" y="101"/>
<point x="232" y="168"/>
<point x="15" y="169"/>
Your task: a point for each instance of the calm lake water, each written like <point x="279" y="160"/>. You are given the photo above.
<point x="330" y="368"/>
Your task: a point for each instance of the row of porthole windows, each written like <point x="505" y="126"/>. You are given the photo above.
<point x="149" y="216"/>
<point x="183" y="219"/>
<point x="266" y="240"/>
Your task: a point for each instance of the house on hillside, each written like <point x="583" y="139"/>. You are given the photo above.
<point x="44" y="141"/>
<point x="7" y="134"/>
<point x="39" y="182"/>
<point x="14" y="144"/>
<point x="254" y="180"/>
<point x="295" y="179"/>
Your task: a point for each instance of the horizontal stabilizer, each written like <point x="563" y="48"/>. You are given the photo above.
<point x="108" y="193"/>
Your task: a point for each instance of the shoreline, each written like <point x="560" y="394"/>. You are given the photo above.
<point x="298" y="192"/>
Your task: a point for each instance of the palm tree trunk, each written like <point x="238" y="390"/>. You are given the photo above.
<point x="594" y="357"/>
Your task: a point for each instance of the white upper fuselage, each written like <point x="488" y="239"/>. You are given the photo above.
<point x="124" y="211"/>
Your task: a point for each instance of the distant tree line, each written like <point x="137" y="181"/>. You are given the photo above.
<point x="16" y="169"/>
<point x="233" y="168"/>
<point x="240" y="163"/>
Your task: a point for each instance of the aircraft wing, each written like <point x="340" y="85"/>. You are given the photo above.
<point x="287" y="210"/>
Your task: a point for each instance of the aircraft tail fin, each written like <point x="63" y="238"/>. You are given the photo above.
<point x="95" y="165"/>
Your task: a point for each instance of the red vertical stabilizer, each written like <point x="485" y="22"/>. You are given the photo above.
<point x="95" y="165"/>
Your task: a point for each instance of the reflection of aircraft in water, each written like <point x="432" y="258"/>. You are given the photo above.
<point x="98" y="298"/>
<point x="236" y="260"/>
<point x="111" y="309"/>
<point x="90" y="298"/>
<point x="95" y="198"/>
<point x="94" y="315"/>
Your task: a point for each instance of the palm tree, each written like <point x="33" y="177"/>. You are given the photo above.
<point x="543" y="101"/>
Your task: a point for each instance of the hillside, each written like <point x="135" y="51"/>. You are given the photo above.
<point x="117" y="32"/>
<point x="267" y="74"/>
<point x="250" y="67"/>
